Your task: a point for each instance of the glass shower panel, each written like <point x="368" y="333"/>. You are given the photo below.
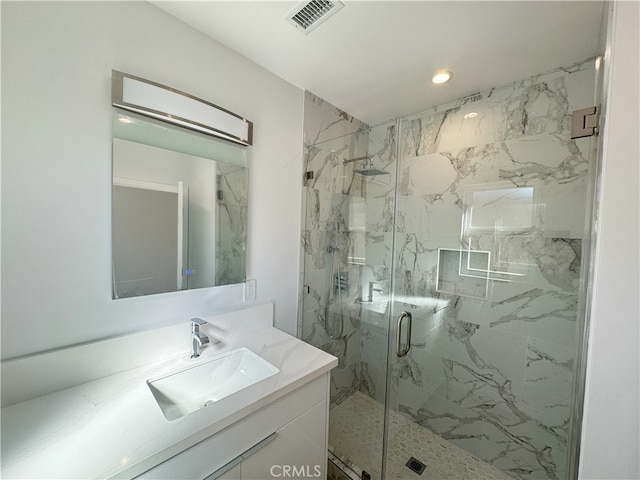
<point x="356" y="424"/>
<point x="490" y="222"/>
<point x="337" y="282"/>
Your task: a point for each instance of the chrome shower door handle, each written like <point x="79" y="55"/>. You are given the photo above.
<point x="401" y="352"/>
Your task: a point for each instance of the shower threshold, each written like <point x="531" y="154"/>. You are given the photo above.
<point x="347" y="470"/>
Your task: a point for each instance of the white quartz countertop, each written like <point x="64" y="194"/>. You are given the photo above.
<point x="113" y="428"/>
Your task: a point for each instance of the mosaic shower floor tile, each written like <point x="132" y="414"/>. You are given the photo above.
<point x="355" y="436"/>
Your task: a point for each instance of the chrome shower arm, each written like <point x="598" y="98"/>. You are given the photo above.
<point x="366" y="157"/>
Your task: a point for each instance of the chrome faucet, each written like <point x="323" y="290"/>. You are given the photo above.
<point x="371" y="290"/>
<point x="197" y="338"/>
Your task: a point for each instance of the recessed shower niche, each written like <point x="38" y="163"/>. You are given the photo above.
<point x="463" y="272"/>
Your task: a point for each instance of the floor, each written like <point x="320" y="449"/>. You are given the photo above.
<point x="355" y="436"/>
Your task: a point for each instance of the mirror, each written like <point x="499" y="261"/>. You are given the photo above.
<point x="179" y="209"/>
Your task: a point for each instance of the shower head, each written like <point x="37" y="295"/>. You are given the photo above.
<point x="370" y="171"/>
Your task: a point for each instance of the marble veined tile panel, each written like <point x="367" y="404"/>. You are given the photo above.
<point x="346" y="348"/>
<point x="457" y="132"/>
<point x="314" y="327"/>
<point x="427" y="174"/>
<point x="546" y="314"/>
<point x="469" y="165"/>
<point x="382" y="142"/>
<point x="535" y="105"/>
<point x="432" y="376"/>
<point x="331" y="174"/>
<point x="379" y="214"/>
<point x="564" y="212"/>
<point x="499" y="356"/>
<point x="524" y="446"/>
<point x="323" y="121"/>
<point x="413" y="254"/>
<point x="373" y="346"/>
<point x="372" y="381"/>
<point x="315" y="244"/>
<point x="434" y="219"/>
<point x="548" y="379"/>
<point x="326" y="209"/>
<point x="497" y="430"/>
<point x="547" y="157"/>
<point x="344" y="383"/>
<point x="531" y="259"/>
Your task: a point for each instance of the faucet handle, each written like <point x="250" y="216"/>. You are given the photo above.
<point x="197" y="321"/>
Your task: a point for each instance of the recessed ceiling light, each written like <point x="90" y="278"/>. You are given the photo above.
<point x="471" y="115"/>
<point x="442" y="76"/>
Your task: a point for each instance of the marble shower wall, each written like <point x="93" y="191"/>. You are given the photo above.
<point x="231" y="223"/>
<point x="490" y="226"/>
<point x="333" y="201"/>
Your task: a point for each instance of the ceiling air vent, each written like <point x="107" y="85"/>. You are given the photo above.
<point x="307" y="16"/>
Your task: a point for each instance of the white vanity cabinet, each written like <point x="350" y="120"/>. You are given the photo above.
<point x="115" y="428"/>
<point x="285" y="439"/>
<point x="294" y="452"/>
<point x="231" y="472"/>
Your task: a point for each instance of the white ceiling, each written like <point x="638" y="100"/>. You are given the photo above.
<point x="375" y="59"/>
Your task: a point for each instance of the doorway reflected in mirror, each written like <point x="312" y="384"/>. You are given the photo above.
<point x="179" y="209"/>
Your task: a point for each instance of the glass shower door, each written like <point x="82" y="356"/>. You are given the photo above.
<point x="492" y="200"/>
<point x="338" y="285"/>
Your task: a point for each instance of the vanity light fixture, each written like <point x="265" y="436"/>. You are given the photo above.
<point x="169" y="105"/>
<point x="470" y="115"/>
<point x="443" y="76"/>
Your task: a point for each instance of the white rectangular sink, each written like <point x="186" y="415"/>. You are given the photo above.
<point x="204" y="384"/>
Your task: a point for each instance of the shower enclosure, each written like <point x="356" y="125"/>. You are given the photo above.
<point x="444" y="265"/>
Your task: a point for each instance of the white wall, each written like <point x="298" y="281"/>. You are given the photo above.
<point x="611" y="445"/>
<point x="56" y="168"/>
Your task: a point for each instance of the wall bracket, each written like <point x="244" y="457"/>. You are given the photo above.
<point x="584" y="122"/>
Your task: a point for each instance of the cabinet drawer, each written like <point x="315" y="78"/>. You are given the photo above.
<point x="298" y="451"/>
